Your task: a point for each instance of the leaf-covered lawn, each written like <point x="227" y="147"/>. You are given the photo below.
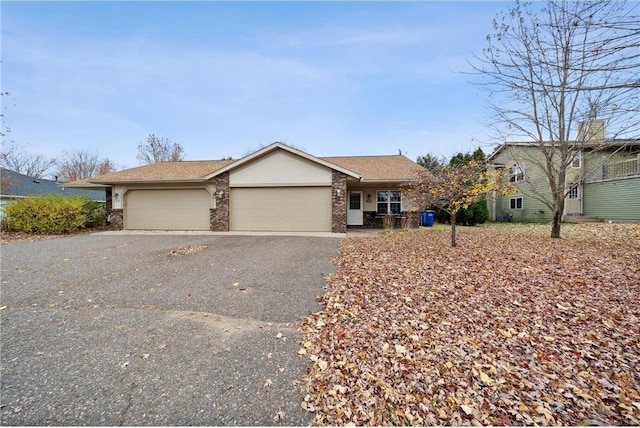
<point x="509" y="328"/>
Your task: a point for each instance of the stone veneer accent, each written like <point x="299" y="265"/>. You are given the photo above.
<point x="116" y="219"/>
<point x="219" y="216"/>
<point x="338" y="203"/>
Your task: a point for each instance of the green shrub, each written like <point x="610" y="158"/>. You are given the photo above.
<point x="95" y="213"/>
<point x="477" y="213"/>
<point x="50" y="214"/>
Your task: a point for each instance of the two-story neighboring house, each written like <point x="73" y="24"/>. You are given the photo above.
<point x="602" y="179"/>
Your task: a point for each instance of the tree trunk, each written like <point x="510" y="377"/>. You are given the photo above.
<point x="557" y="212"/>
<point x="555" y="227"/>
<point x="453" y="230"/>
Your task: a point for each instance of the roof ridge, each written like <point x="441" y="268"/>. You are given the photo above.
<point x="361" y="156"/>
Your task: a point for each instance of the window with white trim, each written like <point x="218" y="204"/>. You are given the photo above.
<point x="516" y="173"/>
<point x="576" y="159"/>
<point x="515" y="203"/>
<point x="389" y="201"/>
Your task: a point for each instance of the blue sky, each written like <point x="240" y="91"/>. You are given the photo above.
<point x="225" y="78"/>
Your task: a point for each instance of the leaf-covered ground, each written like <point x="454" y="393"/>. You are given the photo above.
<point x="509" y="328"/>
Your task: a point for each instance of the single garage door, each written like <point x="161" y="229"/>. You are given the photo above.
<point x="175" y="209"/>
<point x="295" y="209"/>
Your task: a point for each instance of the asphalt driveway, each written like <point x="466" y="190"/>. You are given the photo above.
<point x="157" y="330"/>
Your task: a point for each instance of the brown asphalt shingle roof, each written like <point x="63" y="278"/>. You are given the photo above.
<point x="165" y="171"/>
<point x="370" y="168"/>
<point x="387" y="168"/>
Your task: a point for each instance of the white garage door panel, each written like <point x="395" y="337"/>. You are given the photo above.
<point x="301" y="209"/>
<point x="176" y="209"/>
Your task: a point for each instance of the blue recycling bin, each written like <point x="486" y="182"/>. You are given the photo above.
<point x="427" y="218"/>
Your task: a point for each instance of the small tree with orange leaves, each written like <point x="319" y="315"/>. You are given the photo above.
<point x="455" y="187"/>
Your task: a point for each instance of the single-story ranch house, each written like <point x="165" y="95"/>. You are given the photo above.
<point x="277" y="188"/>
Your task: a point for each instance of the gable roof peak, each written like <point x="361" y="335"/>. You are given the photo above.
<point x="281" y="146"/>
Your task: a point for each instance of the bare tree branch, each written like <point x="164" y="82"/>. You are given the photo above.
<point x="82" y="164"/>
<point x="550" y="66"/>
<point x="159" y="149"/>
<point x="16" y="159"/>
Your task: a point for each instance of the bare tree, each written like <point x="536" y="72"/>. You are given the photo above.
<point x="552" y="65"/>
<point x="159" y="149"/>
<point x="82" y="164"/>
<point x="16" y="159"/>
<point x="4" y="129"/>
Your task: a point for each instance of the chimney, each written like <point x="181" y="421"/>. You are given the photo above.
<point x="591" y="130"/>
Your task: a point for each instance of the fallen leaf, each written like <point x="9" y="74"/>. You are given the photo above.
<point x="486" y="379"/>
<point x="464" y="337"/>
<point x="400" y="349"/>
<point x="466" y="409"/>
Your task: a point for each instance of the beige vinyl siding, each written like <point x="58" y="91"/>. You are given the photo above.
<point x="305" y="209"/>
<point x="167" y="209"/>
<point x="280" y="168"/>
<point x="613" y="200"/>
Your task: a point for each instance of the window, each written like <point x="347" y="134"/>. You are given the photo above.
<point x="576" y="159"/>
<point x="389" y="201"/>
<point x="515" y="203"/>
<point x="573" y="192"/>
<point x="354" y="200"/>
<point x="516" y="173"/>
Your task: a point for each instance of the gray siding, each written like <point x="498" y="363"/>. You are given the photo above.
<point x="613" y="200"/>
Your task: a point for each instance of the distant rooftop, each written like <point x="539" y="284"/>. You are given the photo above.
<point x="16" y="185"/>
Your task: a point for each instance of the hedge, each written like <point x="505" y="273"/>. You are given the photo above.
<point x="52" y="214"/>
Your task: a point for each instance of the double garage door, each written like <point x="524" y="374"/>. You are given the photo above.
<point x="176" y="209"/>
<point x="295" y="209"/>
<point x="305" y="209"/>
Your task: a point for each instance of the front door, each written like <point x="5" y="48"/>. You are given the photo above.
<point x="354" y="210"/>
<point x="573" y="203"/>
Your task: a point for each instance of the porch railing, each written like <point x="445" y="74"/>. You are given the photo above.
<point x="626" y="168"/>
